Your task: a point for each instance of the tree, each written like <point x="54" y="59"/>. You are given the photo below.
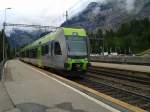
<point x="1" y="49"/>
<point x="134" y="35"/>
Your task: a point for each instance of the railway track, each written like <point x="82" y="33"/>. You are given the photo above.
<point x="122" y="74"/>
<point x="132" y="90"/>
<point x="129" y="82"/>
<point x="123" y="95"/>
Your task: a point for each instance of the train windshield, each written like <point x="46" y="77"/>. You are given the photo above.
<point x="77" y="46"/>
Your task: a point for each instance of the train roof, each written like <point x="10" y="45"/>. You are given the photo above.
<point x="51" y="36"/>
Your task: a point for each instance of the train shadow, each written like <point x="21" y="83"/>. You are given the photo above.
<point x="71" y="75"/>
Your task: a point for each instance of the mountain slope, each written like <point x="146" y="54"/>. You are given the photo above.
<point x="20" y="37"/>
<point x="109" y="15"/>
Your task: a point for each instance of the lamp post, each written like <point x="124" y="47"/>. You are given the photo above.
<point x="4" y="32"/>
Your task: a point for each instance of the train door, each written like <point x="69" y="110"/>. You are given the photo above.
<point x="57" y="55"/>
<point x="45" y="55"/>
<point x="52" y="54"/>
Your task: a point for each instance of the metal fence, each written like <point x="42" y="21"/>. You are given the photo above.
<point x="122" y="59"/>
<point x="1" y="68"/>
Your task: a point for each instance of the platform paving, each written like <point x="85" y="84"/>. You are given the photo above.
<point x="5" y="102"/>
<point x="31" y="91"/>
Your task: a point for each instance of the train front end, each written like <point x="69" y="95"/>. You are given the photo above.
<point x="77" y="50"/>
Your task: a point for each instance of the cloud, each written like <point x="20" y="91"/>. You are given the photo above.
<point x="130" y="5"/>
<point x="45" y="12"/>
<point x="80" y="6"/>
<point x="50" y="12"/>
<point x="96" y="10"/>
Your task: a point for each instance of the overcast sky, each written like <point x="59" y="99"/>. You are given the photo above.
<point x="45" y="12"/>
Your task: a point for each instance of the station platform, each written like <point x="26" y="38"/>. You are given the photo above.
<point x="31" y="90"/>
<point x="136" y="68"/>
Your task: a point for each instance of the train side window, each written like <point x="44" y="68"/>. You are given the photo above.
<point x="45" y="49"/>
<point x="49" y="45"/>
<point x="52" y="47"/>
<point x="36" y="52"/>
<point x="27" y="53"/>
<point x="32" y="53"/>
<point x="57" y="49"/>
<point x="30" y="56"/>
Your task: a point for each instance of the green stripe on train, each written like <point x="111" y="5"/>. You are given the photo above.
<point x="70" y="31"/>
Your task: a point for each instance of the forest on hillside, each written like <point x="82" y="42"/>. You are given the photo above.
<point x="131" y="37"/>
<point x="8" y="51"/>
<point x="1" y="49"/>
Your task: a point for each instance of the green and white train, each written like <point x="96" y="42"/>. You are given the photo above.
<point x="64" y="49"/>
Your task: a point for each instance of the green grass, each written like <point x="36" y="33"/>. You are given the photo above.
<point x="145" y="53"/>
